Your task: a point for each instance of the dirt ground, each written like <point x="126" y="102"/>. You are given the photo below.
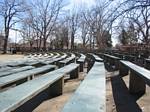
<point x="56" y="104"/>
<point x="118" y="98"/>
<point x="8" y="57"/>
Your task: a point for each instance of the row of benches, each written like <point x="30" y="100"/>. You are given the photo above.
<point x="22" y="97"/>
<point x="30" y="91"/>
<point x="139" y="76"/>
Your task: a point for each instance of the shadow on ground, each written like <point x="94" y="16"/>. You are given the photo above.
<point x="124" y="101"/>
<point x="109" y="67"/>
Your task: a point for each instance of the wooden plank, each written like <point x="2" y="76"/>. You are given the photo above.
<point x="97" y="58"/>
<point x="25" y="74"/>
<point x="2" y="69"/>
<point x="11" y="71"/>
<point x="90" y="96"/>
<point x="111" y="56"/>
<point x="52" y="60"/>
<point x="68" y="68"/>
<point x="82" y="58"/>
<point x="68" y="59"/>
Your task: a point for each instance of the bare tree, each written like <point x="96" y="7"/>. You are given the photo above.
<point x="9" y="10"/>
<point x="99" y="21"/>
<point x="137" y="13"/>
<point x="84" y="31"/>
<point x="73" y="27"/>
<point x="61" y="35"/>
<point x="47" y="14"/>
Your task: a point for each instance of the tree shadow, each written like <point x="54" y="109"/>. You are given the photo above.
<point x="124" y="101"/>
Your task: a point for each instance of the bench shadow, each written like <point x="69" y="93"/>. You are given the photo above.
<point x="108" y="67"/>
<point x="124" y="101"/>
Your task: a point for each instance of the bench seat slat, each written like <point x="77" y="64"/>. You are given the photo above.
<point x="111" y="56"/>
<point x="68" y="59"/>
<point x="9" y="72"/>
<point x="56" y="59"/>
<point x="17" y="76"/>
<point x="97" y="58"/>
<point x="82" y="58"/>
<point x="90" y="96"/>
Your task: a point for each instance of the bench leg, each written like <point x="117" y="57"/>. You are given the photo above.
<point x="116" y="64"/>
<point x="61" y="65"/>
<point x="136" y="84"/>
<point x="21" y="81"/>
<point x="74" y="74"/>
<point x="90" y="64"/>
<point x="56" y="88"/>
<point x="81" y="67"/>
<point x="123" y="70"/>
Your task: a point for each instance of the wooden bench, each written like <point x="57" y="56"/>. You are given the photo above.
<point x="147" y="64"/>
<point x="66" y="61"/>
<point x="91" y="59"/>
<point x="56" y="55"/>
<point x="55" y="60"/>
<point x="11" y="71"/>
<point x="27" y="96"/>
<point x="97" y="58"/>
<point x="113" y="60"/>
<point x="21" y="77"/>
<point x="34" y="63"/>
<point x="139" y="76"/>
<point x="13" y="63"/>
<point x="2" y="69"/>
<point x="17" y="63"/>
<point x="81" y="61"/>
<point x="73" y="70"/>
<point x="126" y="57"/>
<point x="122" y="56"/>
<point x="90" y="95"/>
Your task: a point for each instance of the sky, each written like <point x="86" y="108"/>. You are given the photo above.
<point x="71" y="4"/>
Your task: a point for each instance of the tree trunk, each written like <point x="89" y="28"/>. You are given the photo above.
<point x="5" y="44"/>
<point x="72" y="40"/>
<point x="40" y="43"/>
<point x="44" y="45"/>
<point x="6" y="40"/>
